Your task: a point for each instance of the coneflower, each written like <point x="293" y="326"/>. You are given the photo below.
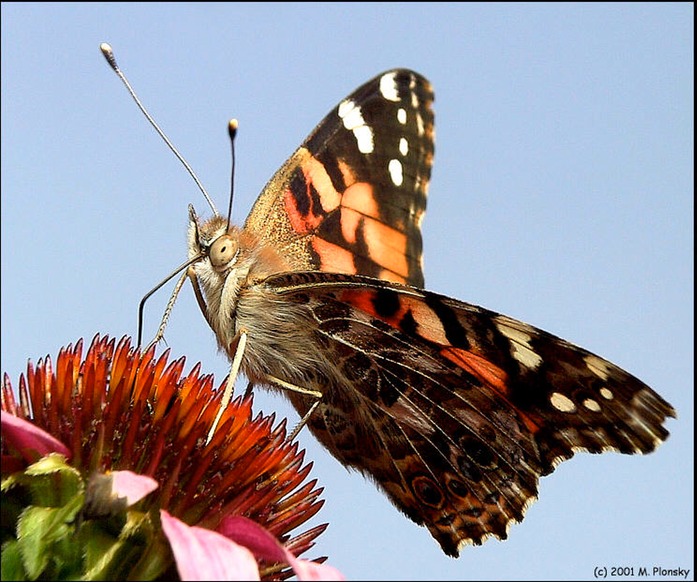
<point x="107" y="474"/>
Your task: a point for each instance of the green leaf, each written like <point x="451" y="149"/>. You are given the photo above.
<point x="51" y="463"/>
<point x="157" y="558"/>
<point x="98" y="544"/>
<point x="11" y="563"/>
<point x="45" y="537"/>
<point x="65" y="480"/>
<point x="50" y="482"/>
<point x="139" y="553"/>
<point x="49" y="535"/>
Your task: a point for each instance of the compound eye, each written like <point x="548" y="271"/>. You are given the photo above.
<point x="223" y="251"/>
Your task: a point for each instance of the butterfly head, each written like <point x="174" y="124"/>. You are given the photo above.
<point x="228" y="251"/>
<point x="226" y="260"/>
<point x="217" y="244"/>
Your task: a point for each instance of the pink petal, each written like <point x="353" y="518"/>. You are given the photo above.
<point x="264" y="545"/>
<point x="251" y="535"/>
<point x="31" y="441"/>
<point x="131" y="485"/>
<point x="306" y="570"/>
<point x="202" y="554"/>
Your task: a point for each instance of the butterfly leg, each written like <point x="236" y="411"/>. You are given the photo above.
<point x="168" y="311"/>
<point x="299" y="389"/>
<point x="238" y="344"/>
<point x="303" y="421"/>
<point x="292" y="387"/>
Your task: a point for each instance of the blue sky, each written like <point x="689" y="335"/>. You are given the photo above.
<point x="562" y="195"/>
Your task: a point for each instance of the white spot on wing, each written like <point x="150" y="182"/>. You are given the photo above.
<point x="562" y="403"/>
<point x="598" y="366"/>
<point x="403" y="146"/>
<point x="606" y="393"/>
<point x="591" y="404"/>
<point x="353" y="120"/>
<point x="395" y="168"/>
<point x="347" y="109"/>
<point x="419" y="124"/>
<point x="401" y="115"/>
<point x="521" y="349"/>
<point x="388" y="87"/>
<point x="364" y="138"/>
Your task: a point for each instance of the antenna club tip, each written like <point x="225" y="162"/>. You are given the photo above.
<point x="108" y="53"/>
<point x="232" y="126"/>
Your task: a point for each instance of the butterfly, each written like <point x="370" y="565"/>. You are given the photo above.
<point x="453" y="410"/>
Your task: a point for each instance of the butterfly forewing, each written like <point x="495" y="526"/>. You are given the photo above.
<point x="352" y="197"/>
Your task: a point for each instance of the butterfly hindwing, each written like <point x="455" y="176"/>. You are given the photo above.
<point x="461" y="409"/>
<point x="352" y="197"/>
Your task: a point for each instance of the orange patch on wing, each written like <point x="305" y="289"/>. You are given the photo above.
<point x="488" y="373"/>
<point x="360" y="197"/>
<point x="316" y="175"/>
<point x="357" y="202"/>
<point x="350" y="223"/>
<point x="333" y="258"/>
<point x="483" y="369"/>
<point x="300" y="222"/>
<point x="386" y="246"/>
<point x="430" y="326"/>
<point x="390" y="276"/>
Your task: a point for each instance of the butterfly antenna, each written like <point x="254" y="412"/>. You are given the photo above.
<point x="109" y="56"/>
<point x="232" y="131"/>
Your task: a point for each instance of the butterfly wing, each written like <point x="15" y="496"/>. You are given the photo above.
<point x="456" y="411"/>
<point x="352" y="197"/>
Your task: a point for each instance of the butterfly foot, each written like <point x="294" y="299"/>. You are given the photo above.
<point x="303" y="421"/>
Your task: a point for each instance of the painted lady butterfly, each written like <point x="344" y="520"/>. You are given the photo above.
<point x="453" y="410"/>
